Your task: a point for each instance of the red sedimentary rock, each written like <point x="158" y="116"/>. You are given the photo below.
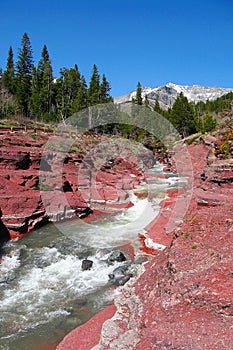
<point x="80" y="338"/>
<point x="59" y="185"/>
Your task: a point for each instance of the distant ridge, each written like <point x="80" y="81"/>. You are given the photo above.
<point x="167" y="94"/>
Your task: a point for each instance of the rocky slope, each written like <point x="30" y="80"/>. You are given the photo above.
<point x="183" y="299"/>
<point x="166" y="95"/>
<point x="37" y="186"/>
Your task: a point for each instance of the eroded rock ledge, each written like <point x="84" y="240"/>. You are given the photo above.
<point x="87" y="180"/>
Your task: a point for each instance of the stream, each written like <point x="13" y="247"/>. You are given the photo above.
<point x="44" y="293"/>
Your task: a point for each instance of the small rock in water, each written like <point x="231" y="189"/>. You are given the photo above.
<point x="87" y="264"/>
<point x="117" y="273"/>
<point x="84" y="212"/>
<point x="124" y="279"/>
<point x="120" y="275"/>
<point x="116" y="255"/>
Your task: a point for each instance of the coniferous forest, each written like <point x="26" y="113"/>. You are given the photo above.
<point x="34" y="92"/>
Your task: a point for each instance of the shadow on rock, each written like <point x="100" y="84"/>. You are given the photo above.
<point x="4" y="234"/>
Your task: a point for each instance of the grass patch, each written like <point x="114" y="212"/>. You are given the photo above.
<point x="33" y="136"/>
<point x="192" y="139"/>
<point x="43" y="187"/>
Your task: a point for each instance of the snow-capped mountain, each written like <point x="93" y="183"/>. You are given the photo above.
<point x="166" y="95"/>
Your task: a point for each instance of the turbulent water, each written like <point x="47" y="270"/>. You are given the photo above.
<point x="43" y="291"/>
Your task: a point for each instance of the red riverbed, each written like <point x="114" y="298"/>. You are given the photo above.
<point x="184" y="298"/>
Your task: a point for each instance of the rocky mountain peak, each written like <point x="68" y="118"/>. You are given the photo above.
<point x="167" y="94"/>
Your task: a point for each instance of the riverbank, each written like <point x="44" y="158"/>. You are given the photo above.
<point x="184" y="299"/>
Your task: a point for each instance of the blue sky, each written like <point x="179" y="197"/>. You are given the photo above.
<point x="151" y="41"/>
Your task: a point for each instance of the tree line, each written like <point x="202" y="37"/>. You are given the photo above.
<point x="36" y="93"/>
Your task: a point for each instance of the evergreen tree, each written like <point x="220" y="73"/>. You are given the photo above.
<point x="157" y="107"/>
<point x="93" y="93"/>
<point x="104" y="91"/>
<point x="42" y="84"/>
<point x="80" y="101"/>
<point x="146" y="102"/>
<point x="47" y="84"/>
<point x="137" y="101"/>
<point x="138" y="98"/>
<point x="208" y="123"/>
<point x="182" y="116"/>
<point x="35" y="105"/>
<point x="8" y="76"/>
<point x="45" y="54"/>
<point x="70" y="92"/>
<point x="43" y="64"/>
<point x="24" y="67"/>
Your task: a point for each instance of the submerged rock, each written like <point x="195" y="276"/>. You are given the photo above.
<point x="120" y="275"/>
<point x="4" y="233"/>
<point x="124" y="279"/>
<point x="87" y="264"/>
<point x="84" y="212"/>
<point x="116" y="255"/>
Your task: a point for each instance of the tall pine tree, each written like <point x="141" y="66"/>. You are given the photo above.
<point x="70" y="92"/>
<point x="80" y="101"/>
<point x="35" y="103"/>
<point x="93" y="92"/>
<point x="157" y="107"/>
<point x="138" y="99"/>
<point x="146" y="102"/>
<point x="24" y="67"/>
<point x="9" y="74"/>
<point x="105" y="88"/>
<point x="182" y="116"/>
<point x="42" y="84"/>
<point x="47" y="82"/>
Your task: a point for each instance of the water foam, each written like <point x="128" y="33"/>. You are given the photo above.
<point x="44" y="293"/>
<point x="9" y="265"/>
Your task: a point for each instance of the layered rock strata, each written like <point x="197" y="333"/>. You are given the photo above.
<point x="40" y="182"/>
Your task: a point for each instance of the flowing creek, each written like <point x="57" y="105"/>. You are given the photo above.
<point x="44" y="292"/>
